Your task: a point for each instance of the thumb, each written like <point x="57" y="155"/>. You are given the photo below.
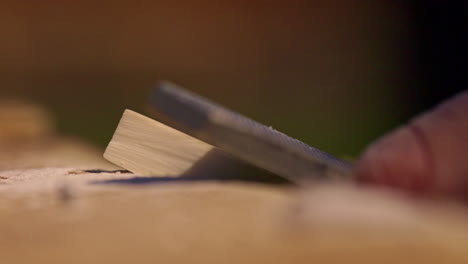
<point x="428" y="155"/>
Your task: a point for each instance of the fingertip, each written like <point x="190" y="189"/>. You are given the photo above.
<point x="426" y="156"/>
<point x="395" y="161"/>
<point x="366" y="172"/>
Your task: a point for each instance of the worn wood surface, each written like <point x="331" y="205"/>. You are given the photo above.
<point x="67" y="214"/>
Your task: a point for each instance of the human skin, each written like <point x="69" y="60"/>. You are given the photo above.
<point x="428" y="156"/>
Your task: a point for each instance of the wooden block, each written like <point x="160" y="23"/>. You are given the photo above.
<point x="23" y="122"/>
<point x="147" y="147"/>
<point x="28" y="140"/>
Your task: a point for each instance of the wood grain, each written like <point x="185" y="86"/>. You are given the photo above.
<point x="147" y="147"/>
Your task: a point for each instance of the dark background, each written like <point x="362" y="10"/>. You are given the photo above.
<point x="440" y="49"/>
<point x="336" y="74"/>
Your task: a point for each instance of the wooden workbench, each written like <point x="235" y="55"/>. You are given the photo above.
<point x="60" y="202"/>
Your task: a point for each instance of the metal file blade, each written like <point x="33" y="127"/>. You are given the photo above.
<point x="243" y="137"/>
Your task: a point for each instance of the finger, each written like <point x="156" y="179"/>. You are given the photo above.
<point x="430" y="154"/>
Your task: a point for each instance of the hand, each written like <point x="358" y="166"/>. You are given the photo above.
<point x="427" y="156"/>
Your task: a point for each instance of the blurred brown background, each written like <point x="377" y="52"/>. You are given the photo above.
<point x="328" y="72"/>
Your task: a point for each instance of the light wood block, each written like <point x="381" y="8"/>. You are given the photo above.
<point x="147" y="147"/>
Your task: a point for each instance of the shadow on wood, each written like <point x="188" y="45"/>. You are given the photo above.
<point x="214" y="165"/>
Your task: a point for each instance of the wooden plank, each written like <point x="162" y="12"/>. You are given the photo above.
<point x="214" y="222"/>
<point x="147" y="147"/>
